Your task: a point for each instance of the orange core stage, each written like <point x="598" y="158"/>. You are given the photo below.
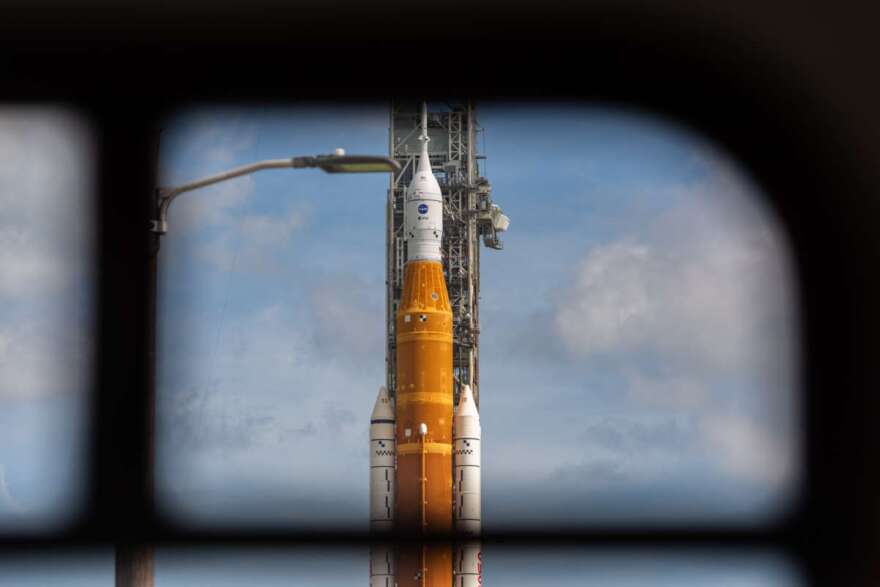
<point x="424" y="425"/>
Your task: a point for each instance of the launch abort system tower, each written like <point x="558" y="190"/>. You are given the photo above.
<point x="469" y="215"/>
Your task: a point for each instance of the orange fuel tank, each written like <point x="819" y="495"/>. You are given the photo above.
<point x="424" y="425"/>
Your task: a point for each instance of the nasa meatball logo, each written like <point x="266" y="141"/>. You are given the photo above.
<point x="423" y="208"/>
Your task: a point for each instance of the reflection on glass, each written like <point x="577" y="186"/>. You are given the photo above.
<point x="523" y="567"/>
<point x="78" y="568"/>
<point x="46" y="297"/>
<point x="537" y="567"/>
<point x="637" y="333"/>
<point x="343" y="567"/>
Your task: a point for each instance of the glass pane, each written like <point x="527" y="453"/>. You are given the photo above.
<point x="46" y="299"/>
<point x="527" y="567"/>
<point x="92" y="568"/>
<point x="523" y="567"/>
<point x="343" y="567"/>
<point x="638" y="331"/>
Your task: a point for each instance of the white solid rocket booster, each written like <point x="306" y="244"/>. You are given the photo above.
<point x="382" y="456"/>
<point x="467" y="511"/>
<point x="466" y="437"/>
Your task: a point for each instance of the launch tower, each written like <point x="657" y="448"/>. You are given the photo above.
<point x="469" y="215"/>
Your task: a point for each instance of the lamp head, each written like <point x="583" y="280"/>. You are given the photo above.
<point x="342" y="163"/>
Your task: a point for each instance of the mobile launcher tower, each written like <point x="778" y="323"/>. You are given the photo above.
<point x="425" y="427"/>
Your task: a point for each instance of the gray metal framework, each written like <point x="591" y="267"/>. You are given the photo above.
<point x="468" y="213"/>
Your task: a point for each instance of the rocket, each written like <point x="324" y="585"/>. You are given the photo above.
<point x="435" y="455"/>
<point x="424" y="387"/>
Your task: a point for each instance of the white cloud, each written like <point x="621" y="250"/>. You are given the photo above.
<point x="45" y="250"/>
<point x="679" y="390"/>
<point x="39" y="357"/>
<point x="200" y="135"/>
<point x="265" y="406"/>
<point x="210" y="206"/>
<point x="699" y="307"/>
<point x="748" y="450"/>
<point x="206" y="147"/>
<point x="8" y="503"/>
<point x="212" y="224"/>
<point x="349" y="318"/>
<point x="263" y="230"/>
<point x="699" y="285"/>
<point x="45" y="186"/>
<point x="29" y="265"/>
<point x="254" y="243"/>
<point x="610" y="306"/>
<point x="696" y="293"/>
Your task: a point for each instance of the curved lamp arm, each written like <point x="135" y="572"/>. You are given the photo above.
<point x="338" y="163"/>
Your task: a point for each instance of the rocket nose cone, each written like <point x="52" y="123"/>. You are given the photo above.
<point x="382" y="409"/>
<point x="466" y="405"/>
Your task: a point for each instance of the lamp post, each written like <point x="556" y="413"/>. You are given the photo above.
<point x="135" y="562"/>
<point x="339" y="162"/>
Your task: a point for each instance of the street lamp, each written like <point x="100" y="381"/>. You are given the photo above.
<point x="338" y="162"/>
<point x="134" y="563"/>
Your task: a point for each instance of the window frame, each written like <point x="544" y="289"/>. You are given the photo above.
<point x="817" y="163"/>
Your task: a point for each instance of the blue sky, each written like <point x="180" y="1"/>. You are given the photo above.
<point x="638" y="330"/>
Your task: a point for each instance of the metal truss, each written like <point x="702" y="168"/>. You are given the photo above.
<point x="468" y="215"/>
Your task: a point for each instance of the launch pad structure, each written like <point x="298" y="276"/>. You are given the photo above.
<point x="469" y="215"/>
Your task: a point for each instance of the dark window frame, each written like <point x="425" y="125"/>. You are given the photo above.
<point x="811" y="145"/>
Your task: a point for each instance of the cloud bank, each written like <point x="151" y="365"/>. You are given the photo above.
<point x="699" y="307"/>
<point x="45" y="247"/>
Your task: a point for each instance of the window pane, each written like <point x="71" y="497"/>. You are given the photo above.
<point x="523" y="567"/>
<point x="87" y="568"/>
<point x="46" y="298"/>
<point x="638" y="332"/>
<point x="527" y="567"/>
<point x="343" y="567"/>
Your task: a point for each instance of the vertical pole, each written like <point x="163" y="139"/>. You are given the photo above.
<point x="423" y="575"/>
<point x="122" y="444"/>
<point x="134" y="566"/>
<point x="424" y="487"/>
<point x="135" y="561"/>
